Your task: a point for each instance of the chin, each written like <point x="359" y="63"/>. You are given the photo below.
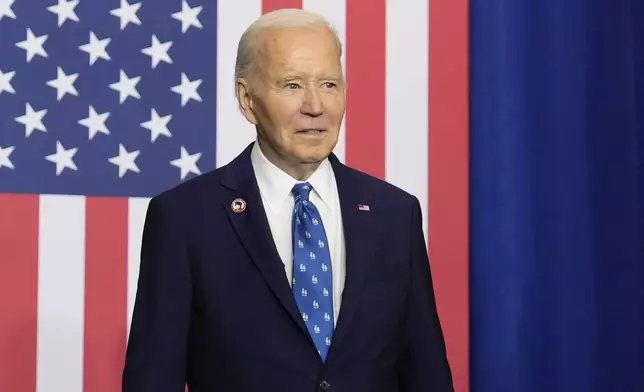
<point x="313" y="156"/>
<point x="311" y="159"/>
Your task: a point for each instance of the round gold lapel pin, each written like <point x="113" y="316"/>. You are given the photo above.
<point x="238" y="205"/>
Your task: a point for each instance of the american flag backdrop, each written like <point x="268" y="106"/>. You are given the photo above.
<point x="104" y="104"/>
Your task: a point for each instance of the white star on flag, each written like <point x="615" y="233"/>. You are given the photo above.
<point x="33" y="45"/>
<point x="157" y="125"/>
<point x="5" y="9"/>
<point x="64" y="159"/>
<point x="32" y="120"/>
<point x="95" y="123"/>
<point x="125" y="161"/>
<point x="5" y="153"/>
<point x="188" y="16"/>
<point x="96" y="48"/>
<point x="5" y="81"/>
<point x="127" y="13"/>
<point x="187" y="89"/>
<point x="187" y="163"/>
<point x="64" y="84"/>
<point x="126" y="87"/>
<point x="65" y="10"/>
<point x="158" y="51"/>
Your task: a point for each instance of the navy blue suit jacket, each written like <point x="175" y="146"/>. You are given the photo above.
<point x="214" y="308"/>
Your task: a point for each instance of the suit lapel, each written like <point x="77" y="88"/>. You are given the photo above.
<point x="253" y="230"/>
<point x="360" y="231"/>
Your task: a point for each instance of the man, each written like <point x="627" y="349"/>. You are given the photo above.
<point x="286" y="270"/>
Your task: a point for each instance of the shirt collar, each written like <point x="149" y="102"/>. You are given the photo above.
<point x="276" y="185"/>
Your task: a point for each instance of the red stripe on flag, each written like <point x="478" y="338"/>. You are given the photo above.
<point x="105" y="293"/>
<point x="272" y="5"/>
<point x="18" y="291"/>
<point x="366" y="62"/>
<point x="448" y="175"/>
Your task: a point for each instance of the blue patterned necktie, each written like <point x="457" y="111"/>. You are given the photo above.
<point x="312" y="277"/>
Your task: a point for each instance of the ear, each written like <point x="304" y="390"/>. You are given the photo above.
<point x="245" y="99"/>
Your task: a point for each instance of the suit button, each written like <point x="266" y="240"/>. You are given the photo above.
<point x="325" y="386"/>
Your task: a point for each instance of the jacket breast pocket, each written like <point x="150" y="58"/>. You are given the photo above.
<point x="394" y="272"/>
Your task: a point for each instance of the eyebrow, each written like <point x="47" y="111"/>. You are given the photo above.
<point x="290" y="78"/>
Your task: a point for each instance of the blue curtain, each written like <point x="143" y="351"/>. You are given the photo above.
<point x="557" y="195"/>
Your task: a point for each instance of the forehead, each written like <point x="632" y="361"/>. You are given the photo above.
<point x="300" y="50"/>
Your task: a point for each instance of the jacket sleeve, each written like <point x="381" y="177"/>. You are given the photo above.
<point x="424" y="366"/>
<point x="157" y="346"/>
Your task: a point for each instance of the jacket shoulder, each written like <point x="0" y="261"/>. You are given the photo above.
<point x="383" y="190"/>
<point x="191" y="192"/>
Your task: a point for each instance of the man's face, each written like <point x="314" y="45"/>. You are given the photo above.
<point x="297" y="96"/>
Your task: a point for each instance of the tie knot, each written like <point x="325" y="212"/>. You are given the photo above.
<point x="302" y="191"/>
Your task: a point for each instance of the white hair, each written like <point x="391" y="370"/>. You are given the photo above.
<point x="251" y="39"/>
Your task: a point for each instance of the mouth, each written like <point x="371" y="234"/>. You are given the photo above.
<point x="311" y="131"/>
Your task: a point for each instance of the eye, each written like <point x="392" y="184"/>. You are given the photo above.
<point x="291" y="86"/>
<point x="329" y="85"/>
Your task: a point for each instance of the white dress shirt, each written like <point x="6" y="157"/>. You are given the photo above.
<point x="275" y="187"/>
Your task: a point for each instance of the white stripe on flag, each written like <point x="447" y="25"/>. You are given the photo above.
<point x="407" y="98"/>
<point x="61" y="293"/>
<point x="336" y="13"/>
<point x="234" y="132"/>
<point x="137" y="209"/>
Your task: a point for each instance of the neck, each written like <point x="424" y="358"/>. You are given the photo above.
<point x="298" y="170"/>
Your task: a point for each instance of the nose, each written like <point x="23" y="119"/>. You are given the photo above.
<point x="312" y="103"/>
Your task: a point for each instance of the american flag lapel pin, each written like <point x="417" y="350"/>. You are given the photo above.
<point x="364" y="207"/>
